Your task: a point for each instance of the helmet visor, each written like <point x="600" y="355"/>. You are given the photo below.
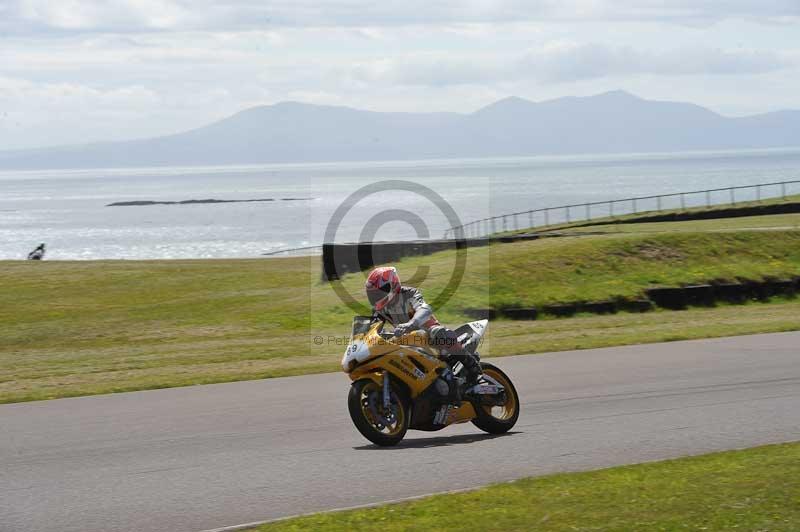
<point x="378" y="295"/>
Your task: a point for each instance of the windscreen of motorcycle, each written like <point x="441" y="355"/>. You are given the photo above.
<point x="473" y="329"/>
<point x="479" y="327"/>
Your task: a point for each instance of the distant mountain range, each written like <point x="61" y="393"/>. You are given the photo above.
<point x="613" y="122"/>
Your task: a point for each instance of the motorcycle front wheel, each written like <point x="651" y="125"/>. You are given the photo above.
<point x="384" y="427"/>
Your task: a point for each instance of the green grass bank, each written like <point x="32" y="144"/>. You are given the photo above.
<point x="751" y="490"/>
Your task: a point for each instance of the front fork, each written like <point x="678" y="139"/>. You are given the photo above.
<point x="387" y="392"/>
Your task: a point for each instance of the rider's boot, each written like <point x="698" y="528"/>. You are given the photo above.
<point x="472" y="369"/>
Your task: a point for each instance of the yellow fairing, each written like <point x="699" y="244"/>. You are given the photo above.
<point x="409" y="359"/>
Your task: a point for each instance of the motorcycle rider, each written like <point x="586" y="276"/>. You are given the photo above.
<point x="405" y="309"/>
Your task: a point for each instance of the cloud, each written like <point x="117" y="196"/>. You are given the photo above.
<point x="23" y="92"/>
<point x="163" y="65"/>
<point x="693" y="11"/>
<point x="43" y="113"/>
<point x="31" y="16"/>
<point x="564" y="61"/>
<point x="99" y="15"/>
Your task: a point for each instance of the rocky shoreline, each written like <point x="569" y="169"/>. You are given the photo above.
<point x="143" y="203"/>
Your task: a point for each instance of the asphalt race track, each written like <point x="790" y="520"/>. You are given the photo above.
<point x="204" y="457"/>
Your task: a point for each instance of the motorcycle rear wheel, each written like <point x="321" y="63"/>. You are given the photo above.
<point x="501" y="418"/>
<point x="365" y="400"/>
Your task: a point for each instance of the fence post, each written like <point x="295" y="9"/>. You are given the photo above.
<point x="708" y="198"/>
<point x="683" y="201"/>
<point x="635" y="207"/>
<point x="658" y="203"/>
<point x="505" y="222"/>
<point x="530" y="219"/>
<point x="758" y="192"/>
<point x="568" y="217"/>
<point x="783" y="190"/>
<point x="588" y="212"/>
<point x="733" y="195"/>
<point x="516" y="223"/>
<point x="546" y="217"/>
<point x="611" y="209"/>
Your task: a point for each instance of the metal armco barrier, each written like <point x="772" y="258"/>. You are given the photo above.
<point x="585" y="212"/>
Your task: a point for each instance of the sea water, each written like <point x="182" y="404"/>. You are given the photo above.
<point x="67" y="209"/>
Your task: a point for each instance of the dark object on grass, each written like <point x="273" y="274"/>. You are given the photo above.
<point x="672" y="298"/>
<point x="598" y="307"/>
<point x="528" y="313"/>
<point x="669" y="298"/>
<point x="37" y="254"/>
<point x="481" y="313"/>
<point x="757" y="291"/>
<point x="340" y="259"/>
<point x="783" y="287"/>
<point x="561" y="311"/>
<point x="731" y="292"/>
<point x="635" y="305"/>
<point x="700" y="295"/>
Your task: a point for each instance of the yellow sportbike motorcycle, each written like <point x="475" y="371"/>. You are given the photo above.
<point x="402" y="383"/>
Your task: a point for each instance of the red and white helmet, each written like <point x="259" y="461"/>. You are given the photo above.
<point x="383" y="285"/>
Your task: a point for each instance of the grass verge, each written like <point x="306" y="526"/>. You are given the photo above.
<point x="605" y="267"/>
<point x="751" y="490"/>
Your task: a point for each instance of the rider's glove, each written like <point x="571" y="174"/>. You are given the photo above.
<point x="403" y="328"/>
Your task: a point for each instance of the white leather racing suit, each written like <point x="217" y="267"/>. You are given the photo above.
<point x="410" y="307"/>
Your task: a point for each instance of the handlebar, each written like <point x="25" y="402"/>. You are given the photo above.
<point x="389" y="336"/>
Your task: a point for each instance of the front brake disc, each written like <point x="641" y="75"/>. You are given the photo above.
<point x="378" y="418"/>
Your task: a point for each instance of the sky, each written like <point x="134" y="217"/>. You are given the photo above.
<point x="76" y="71"/>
